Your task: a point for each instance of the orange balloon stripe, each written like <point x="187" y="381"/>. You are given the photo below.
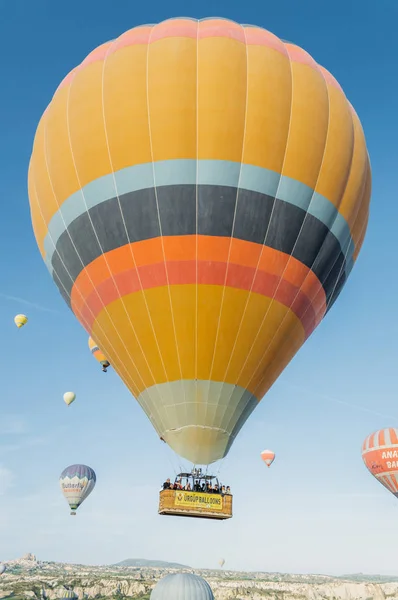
<point x="204" y="273"/>
<point x="377" y="439"/>
<point x="99" y="356"/>
<point x="209" y="248"/>
<point x="380" y="455"/>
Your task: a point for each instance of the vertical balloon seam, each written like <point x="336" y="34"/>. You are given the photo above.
<point x="140" y="399"/>
<point x="298" y="235"/>
<point x="134" y="384"/>
<point x="228" y="425"/>
<point x="128" y="374"/>
<point x="85" y="324"/>
<point x="167" y="406"/>
<point x="42" y="216"/>
<point x="295" y="243"/>
<point x="147" y="409"/>
<point x="160" y="223"/>
<point x="197" y="224"/>
<point x="334" y="295"/>
<point x="340" y="270"/>
<point x="94" y="231"/>
<point x="148" y="48"/>
<point x="361" y="201"/>
<point x="358" y="204"/>
<point x="230" y="247"/>
<point x="280" y="175"/>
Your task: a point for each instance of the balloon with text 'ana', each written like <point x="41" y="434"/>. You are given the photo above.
<point x="380" y="455"/>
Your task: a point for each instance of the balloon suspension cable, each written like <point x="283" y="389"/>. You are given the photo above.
<point x="220" y="465"/>
<point x="172" y="464"/>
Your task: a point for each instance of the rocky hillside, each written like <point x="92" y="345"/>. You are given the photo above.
<point x="28" y="578"/>
<point x="142" y="562"/>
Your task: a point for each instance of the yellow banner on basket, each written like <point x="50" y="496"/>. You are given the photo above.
<point x="198" y="500"/>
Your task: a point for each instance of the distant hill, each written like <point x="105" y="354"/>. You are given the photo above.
<point x="372" y="578"/>
<point x="142" y="562"/>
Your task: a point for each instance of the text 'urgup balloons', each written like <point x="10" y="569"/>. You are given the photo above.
<point x="77" y="482"/>
<point x="380" y="455"/>
<point x="199" y="192"/>
<point x="98" y="355"/>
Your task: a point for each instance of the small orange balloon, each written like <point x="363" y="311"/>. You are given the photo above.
<point x="268" y="457"/>
<point x="380" y="455"/>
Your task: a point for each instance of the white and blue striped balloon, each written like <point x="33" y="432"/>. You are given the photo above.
<point x="181" y="586"/>
<point x="77" y="482"/>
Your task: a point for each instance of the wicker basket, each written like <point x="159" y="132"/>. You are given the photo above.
<point x="176" y="502"/>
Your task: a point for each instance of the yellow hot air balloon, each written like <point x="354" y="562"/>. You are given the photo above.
<point x="98" y="355"/>
<point x="20" y="320"/>
<point x="69" y="397"/>
<point x="199" y="192"/>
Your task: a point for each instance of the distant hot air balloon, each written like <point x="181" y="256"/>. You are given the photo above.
<point x="181" y="586"/>
<point x="380" y="455"/>
<point x="77" y="482"/>
<point x="2" y="569"/>
<point x="221" y="562"/>
<point x="69" y="397"/>
<point x="268" y="457"/>
<point x="20" y="320"/>
<point x="100" y="356"/>
<point x="199" y="192"/>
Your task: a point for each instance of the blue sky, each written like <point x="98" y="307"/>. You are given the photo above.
<point x="317" y="509"/>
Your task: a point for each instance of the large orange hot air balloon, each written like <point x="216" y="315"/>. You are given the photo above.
<point x="199" y="191"/>
<point x="380" y="455"/>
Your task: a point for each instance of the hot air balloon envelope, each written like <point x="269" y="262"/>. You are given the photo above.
<point x="199" y="192"/>
<point x="268" y="457"/>
<point x="69" y="397"/>
<point x="98" y="355"/>
<point x="68" y="595"/>
<point x="380" y="455"/>
<point x="20" y="320"/>
<point x="181" y="586"/>
<point x="77" y="482"/>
